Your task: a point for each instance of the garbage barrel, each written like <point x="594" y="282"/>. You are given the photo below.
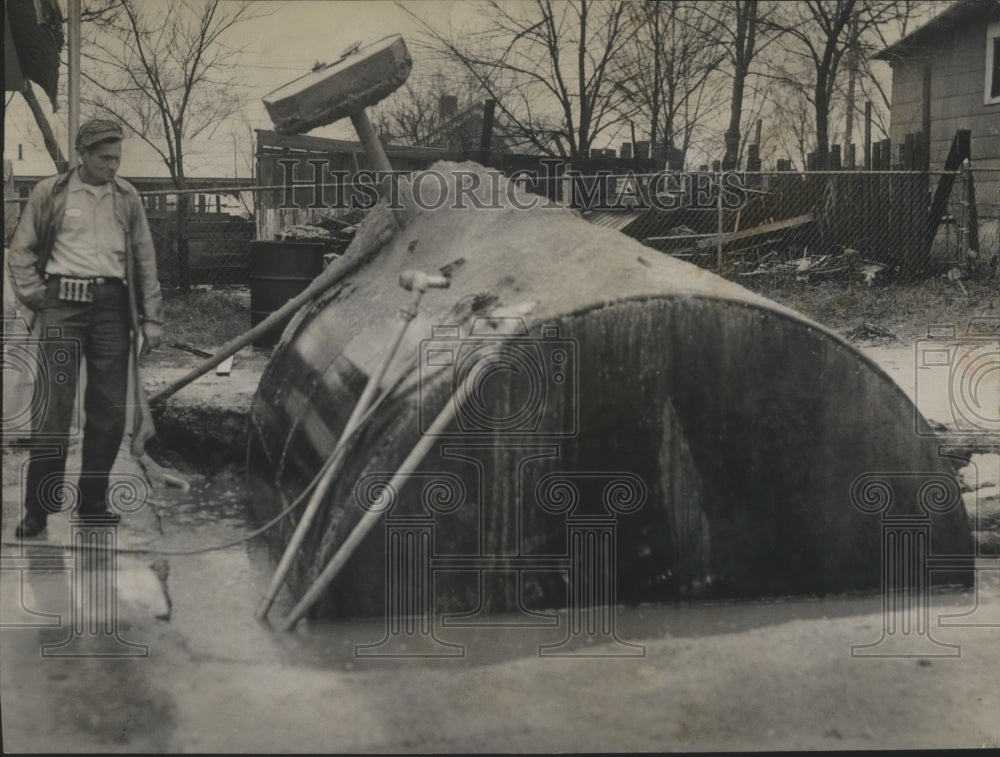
<point x="279" y="270"/>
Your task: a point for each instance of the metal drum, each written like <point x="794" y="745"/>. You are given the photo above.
<point x="279" y="270"/>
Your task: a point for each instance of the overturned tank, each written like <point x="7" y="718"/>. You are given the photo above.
<point x="624" y="425"/>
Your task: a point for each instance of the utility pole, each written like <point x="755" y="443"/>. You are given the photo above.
<point x="74" y="76"/>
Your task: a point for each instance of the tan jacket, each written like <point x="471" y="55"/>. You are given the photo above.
<point x="43" y="214"/>
<point x="31" y="247"/>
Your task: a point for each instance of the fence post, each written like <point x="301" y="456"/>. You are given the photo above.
<point x="970" y="197"/>
<point x="720" y="243"/>
<point x="868" y="136"/>
<point x="885" y="161"/>
<point x="866" y="210"/>
<point x="181" y="240"/>
<point x="963" y="229"/>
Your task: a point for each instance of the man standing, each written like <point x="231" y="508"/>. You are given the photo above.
<point x="82" y="259"/>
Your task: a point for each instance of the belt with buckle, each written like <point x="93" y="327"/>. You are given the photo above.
<point x="79" y="289"/>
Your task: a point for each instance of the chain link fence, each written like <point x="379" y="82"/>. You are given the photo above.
<point x="890" y="225"/>
<point x="202" y="238"/>
<point x="884" y="225"/>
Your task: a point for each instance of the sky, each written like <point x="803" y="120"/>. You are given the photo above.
<point x="295" y="35"/>
<point x="284" y="43"/>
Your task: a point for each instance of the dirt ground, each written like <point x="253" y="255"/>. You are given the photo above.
<point x="792" y="673"/>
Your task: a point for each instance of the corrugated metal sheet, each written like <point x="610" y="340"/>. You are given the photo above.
<point x="612" y="219"/>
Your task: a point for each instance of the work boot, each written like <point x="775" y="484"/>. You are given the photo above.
<point x="32" y="525"/>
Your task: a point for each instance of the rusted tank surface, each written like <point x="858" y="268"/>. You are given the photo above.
<point x="717" y="443"/>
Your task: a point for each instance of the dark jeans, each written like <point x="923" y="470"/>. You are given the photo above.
<point x="67" y="331"/>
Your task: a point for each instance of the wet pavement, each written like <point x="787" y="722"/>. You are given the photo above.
<point x="177" y="664"/>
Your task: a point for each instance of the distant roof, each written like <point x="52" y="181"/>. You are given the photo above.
<point x="204" y="159"/>
<point x="273" y="141"/>
<point x="957" y="16"/>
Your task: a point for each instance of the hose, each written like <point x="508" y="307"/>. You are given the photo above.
<point x="256" y="532"/>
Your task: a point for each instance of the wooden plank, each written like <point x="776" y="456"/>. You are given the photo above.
<point x="765" y="228"/>
<point x="959" y="151"/>
<point x="225" y="367"/>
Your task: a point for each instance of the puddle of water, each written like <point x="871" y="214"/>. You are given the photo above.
<point x="334" y="644"/>
<point x="215" y="594"/>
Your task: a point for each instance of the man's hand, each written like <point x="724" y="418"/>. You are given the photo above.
<point x="153" y="335"/>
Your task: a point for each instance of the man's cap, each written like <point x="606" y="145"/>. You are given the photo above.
<point x="97" y="130"/>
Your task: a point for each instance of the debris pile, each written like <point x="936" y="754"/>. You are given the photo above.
<point x="336" y="232"/>
<point x="848" y="265"/>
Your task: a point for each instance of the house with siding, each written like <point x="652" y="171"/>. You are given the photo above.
<point x="945" y="77"/>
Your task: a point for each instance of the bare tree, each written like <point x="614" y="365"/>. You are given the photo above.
<point x="741" y="46"/>
<point x="665" y="69"/>
<point x="868" y="76"/>
<point x="815" y="36"/>
<point x="793" y="117"/>
<point x="169" y="73"/>
<point x="547" y="64"/>
<point x="433" y="110"/>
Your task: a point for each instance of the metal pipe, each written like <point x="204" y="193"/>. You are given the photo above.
<point x="416" y="456"/>
<point x="380" y="163"/>
<point x="334" y="273"/>
<point x="73" y="22"/>
<point x="333" y="464"/>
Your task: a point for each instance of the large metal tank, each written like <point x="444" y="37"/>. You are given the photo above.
<point x="728" y="445"/>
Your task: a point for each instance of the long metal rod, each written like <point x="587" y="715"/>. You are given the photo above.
<point x="372" y="515"/>
<point x="334" y="462"/>
<point x="334" y="273"/>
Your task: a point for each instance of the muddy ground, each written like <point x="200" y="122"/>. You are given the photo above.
<point x="186" y="668"/>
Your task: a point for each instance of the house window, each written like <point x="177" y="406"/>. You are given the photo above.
<point x="991" y="96"/>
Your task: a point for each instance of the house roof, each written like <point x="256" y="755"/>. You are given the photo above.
<point x="273" y="141"/>
<point x="204" y="160"/>
<point x="957" y="16"/>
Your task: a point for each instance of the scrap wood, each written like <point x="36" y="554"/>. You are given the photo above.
<point x="189" y="348"/>
<point x="225" y="367"/>
<point x="870" y="271"/>
<point x="764" y="228"/>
